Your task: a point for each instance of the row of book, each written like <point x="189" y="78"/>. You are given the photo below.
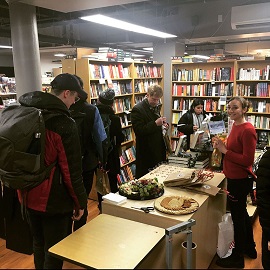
<point x="125" y="120"/>
<point x="259" y="121"/>
<point x="253" y="90"/>
<point x="138" y="99"/>
<point x="148" y="71"/>
<point x="198" y="74"/>
<point x="253" y="73"/>
<point x="184" y="104"/>
<point x="128" y="134"/>
<point x="127" y="174"/>
<point x="122" y="88"/>
<point x="127" y="155"/>
<point x="206" y="89"/>
<point x="259" y="106"/>
<point x="121" y="105"/>
<point x="109" y="71"/>
<point x="141" y="86"/>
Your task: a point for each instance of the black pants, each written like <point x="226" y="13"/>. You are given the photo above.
<point x="237" y="201"/>
<point x="48" y="230"/>
<point x="88" y="182"/>
<point x="265" y="251"/>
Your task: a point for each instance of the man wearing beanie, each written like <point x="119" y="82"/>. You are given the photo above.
<point x="61" y="197"/>
<point x="93" y="143"/>
<point x="105" y="107"/>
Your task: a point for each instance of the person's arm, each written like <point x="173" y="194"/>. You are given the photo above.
<point x="99" y="137"/>
<point x="70" y="162"/>
<point x="140" y="126"/>
<point x="246" y="158"/>
<point x="185" y="125"/>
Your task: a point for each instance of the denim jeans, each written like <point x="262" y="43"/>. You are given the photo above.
<point x="48" y="230"/>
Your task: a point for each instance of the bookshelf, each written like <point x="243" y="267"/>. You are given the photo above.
<point x="130" y="81"/>
<point x="253" y="82"/>
<point x="207" y="81"/>
<point x="211" y="80"/>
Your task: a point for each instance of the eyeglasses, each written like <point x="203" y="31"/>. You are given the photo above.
<point x="77" y="99"/>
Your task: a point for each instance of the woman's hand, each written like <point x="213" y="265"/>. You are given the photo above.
<point x="219" y="144"/>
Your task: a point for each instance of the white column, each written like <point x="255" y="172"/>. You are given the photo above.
<point x="162" y="53"/>
<point x="26" y="57"/>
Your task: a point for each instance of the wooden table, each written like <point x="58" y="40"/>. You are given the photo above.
<point x="205" y="232"/>
<point x="109" y="242"/>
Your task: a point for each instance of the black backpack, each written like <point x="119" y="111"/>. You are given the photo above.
<point x="107" y="123"/>
<point x="22" y="144"/>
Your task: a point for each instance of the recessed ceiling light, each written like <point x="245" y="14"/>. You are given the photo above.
<point x="101" y="19"/>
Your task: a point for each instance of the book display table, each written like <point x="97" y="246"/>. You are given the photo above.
<point x="204" y="233"/>
<point x="108" y="242"/>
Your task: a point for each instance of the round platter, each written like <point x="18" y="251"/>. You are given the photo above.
<point x="176" y="205"/>
<point x="143" y="189"/>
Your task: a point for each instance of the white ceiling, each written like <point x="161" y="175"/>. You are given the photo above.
<point x="203" y="25"/>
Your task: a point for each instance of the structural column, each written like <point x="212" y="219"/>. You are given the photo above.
<point x="162" y="53"/>
<point x="26" y="57"/>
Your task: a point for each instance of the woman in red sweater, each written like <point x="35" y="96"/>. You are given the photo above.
<point x="237" y="166"/>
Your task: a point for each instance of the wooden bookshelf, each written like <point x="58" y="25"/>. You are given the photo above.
<point x="211" y="80"/>
<point x="129" y="80"/>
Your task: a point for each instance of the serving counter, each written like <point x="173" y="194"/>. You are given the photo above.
<point x="204" y="233"/>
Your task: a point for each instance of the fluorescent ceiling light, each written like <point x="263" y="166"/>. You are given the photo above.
<point x="200" y="56"/>
<point x="148" y="49"/>
<point x="60" y="54"/>
<point x="101" y="19"/>
<point x="5" y="47"/>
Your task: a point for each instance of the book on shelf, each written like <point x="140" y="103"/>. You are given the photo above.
<point x="225" y="74"/>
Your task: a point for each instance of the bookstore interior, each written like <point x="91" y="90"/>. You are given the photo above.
<point x="187" y="189"/>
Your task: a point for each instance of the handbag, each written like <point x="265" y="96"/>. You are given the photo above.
<point x="102" y="182"/>
<point x="225" y="236"/>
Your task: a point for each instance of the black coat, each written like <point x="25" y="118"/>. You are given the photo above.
<point x="90" y="150"/>
<point x="187" y="129"/>
<point x="150" y="146"/>
<point x="263" y="192"/>
<point x="113" y="162"/>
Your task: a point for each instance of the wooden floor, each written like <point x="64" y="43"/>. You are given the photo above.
<point x="14" y="260"/>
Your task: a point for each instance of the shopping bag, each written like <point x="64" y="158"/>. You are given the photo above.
<point x="225" y="236"/>
<point x="102" y="182"/>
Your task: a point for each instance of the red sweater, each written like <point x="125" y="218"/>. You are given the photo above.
<point x="241" y="145"/>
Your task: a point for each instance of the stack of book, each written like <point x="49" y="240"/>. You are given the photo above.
<point x="190" y="161"/>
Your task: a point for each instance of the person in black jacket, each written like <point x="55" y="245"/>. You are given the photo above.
<point x="148" y="126"/>
<point x="61" y="197"/>
<point x="104" y="105"/>
<point x="93" y="142"/>
<point x="192" y="120"/>
<point x="263" y="205"/>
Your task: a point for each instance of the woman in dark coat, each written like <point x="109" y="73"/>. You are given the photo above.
<point x="192" y="120"/>
<point x="104" y="106"/>
<point x="263" y="205"/>
<point x="148" y="124"/>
